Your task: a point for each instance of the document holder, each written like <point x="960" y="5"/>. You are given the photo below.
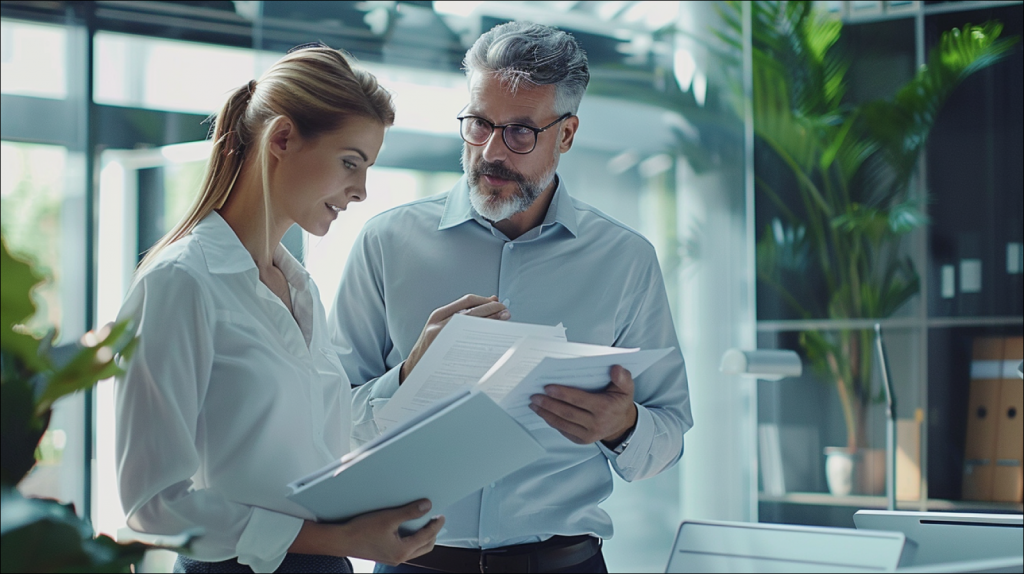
<point x="445" y="453"/>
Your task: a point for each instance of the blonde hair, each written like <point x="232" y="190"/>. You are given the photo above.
<point x="315" y="87"/>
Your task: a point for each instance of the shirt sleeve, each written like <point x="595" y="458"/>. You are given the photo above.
<point x="661" y="392"/>
<point x="159" y="401"/>
<point x="360" y="333"/>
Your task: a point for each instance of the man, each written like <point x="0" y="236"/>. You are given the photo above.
<point x="510" y="230"/>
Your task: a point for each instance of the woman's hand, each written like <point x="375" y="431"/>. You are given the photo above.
<point x="372" y="536"/>
<point x="474" y="305"/>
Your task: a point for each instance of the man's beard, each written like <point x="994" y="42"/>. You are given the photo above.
<point x="491" y="205"/>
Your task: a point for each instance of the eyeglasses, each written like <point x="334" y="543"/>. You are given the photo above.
<point x="519" y="138"/>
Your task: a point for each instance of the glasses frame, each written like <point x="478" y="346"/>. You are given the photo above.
<point x="494" y="126"/>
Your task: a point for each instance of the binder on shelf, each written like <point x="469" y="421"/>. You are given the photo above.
<point x="445" y="453"/>
<point x="982" y="404"/>
<point x="908" y="457"/>
<point x="1008" y="473"/>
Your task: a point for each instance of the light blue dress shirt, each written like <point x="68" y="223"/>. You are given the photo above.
<point x="580" y="268"/>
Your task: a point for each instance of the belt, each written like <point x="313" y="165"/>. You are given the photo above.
<point x="556" y="553"/>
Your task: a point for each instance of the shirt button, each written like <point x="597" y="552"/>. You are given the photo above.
<point x="492" y="485"/>
<point x="509" y="245"/>
<point x="487" y="539"/>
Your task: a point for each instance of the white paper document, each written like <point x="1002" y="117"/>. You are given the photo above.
<point x="457" y="446"/>
<point x="587" y="371"/>
<point x="509" y="362"/>
<point x="462" y="353"/>
<point x="524" y="356"/>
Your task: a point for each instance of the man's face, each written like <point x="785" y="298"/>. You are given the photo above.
<point x="503" y="183"/>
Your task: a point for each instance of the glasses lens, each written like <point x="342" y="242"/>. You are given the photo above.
<point x="476" y="131"/>
<point x="520" y="138"/>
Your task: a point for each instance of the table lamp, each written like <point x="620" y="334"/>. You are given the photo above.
<point x="768" y="364"/>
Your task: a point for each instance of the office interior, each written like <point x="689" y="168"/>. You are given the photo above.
<point x="104" y="139"/>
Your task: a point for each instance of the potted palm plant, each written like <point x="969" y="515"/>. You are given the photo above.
<point x="853" y="167"/>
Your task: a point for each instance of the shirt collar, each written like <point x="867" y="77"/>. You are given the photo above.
<point x="294" y="272"/>
<point x="222" y="249"/>
<point x="225" y="253"/>
<point x="458" y="209"/>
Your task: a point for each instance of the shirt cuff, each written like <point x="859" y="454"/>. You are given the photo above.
<point x="386" y="385"/>
<point x="266" y="539"/>
<point x="634" y="454"/>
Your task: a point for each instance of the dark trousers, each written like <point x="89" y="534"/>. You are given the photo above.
<point x="292" y="563"/>
<point x="593" y="565"/>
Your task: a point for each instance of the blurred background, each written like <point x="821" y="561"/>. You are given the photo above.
<point x="104" y="143"/>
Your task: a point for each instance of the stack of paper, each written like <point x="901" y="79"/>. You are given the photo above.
<point x="510" y="362"/>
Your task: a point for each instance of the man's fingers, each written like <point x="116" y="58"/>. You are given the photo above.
<point x="485" y="310"/>
<point x="622" y="378"/>
<point x="464" y="302"/>
<point x="584" y="400"/>
<point x="570" y="429"/>
<point x="573" y="438"/>
<point x="567" y="411"/>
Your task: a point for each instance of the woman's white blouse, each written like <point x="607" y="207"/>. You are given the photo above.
<point x="227" y="399"/>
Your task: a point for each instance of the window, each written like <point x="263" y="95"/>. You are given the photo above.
<point x="27" y="48"/>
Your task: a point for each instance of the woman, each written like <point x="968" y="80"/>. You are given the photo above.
<point x="234" y="391"/>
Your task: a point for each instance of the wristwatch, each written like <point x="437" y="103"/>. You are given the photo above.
<point x="621" y="447"/>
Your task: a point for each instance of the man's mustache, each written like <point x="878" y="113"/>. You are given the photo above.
<point x="498" y="170"/>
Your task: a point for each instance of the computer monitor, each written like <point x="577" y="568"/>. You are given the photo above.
<point x="945" y="537"/>
<point x="706" y="546"/>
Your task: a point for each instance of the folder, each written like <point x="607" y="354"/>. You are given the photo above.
<point x="982" y="404"/>
<point x="445" y="453"/>
<point x="908" y="457"/>
<point x="1008" y="479"/>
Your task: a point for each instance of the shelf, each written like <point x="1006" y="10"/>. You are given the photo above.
<point x="892" y="323"/>
<point x="861" y="501"/>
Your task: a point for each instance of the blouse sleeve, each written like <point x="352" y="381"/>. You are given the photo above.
<point x="158" y="405"/>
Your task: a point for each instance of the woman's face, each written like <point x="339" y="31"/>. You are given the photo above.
<point x="314" y="179"/>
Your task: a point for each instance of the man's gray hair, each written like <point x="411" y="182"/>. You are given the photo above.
<point x="525" y="52"/>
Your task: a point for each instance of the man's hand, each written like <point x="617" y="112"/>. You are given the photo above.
<point x="474" y="305"/>
<point x="584" y="417"/>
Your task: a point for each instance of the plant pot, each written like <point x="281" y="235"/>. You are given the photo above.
<point x="858" y="472"/>
<point x="839" y="465"/>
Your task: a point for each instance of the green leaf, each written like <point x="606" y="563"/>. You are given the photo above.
<point x="860" y="220"/>
<point x="906" y="217"/>
<point x="90" y="365"/>
<point x="19" y="280"/>
<point x="20" y="427"/>
<point x="46" y="536"/>
<point x="16" y="307"/>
